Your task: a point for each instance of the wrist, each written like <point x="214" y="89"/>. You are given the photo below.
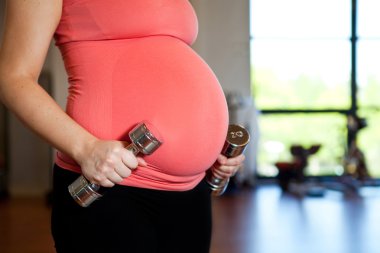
<point x="83" y="148"/>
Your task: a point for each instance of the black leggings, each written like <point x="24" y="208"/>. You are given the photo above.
<point x="131" y="220"/>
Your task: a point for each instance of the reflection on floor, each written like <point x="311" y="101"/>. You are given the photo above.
<point x="261" y="220"/>
<point x="25" y="226"/>
<point x="267" y="221"/>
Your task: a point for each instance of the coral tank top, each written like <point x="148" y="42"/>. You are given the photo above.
<point x="130" y="61"/>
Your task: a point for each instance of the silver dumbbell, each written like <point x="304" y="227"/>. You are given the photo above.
<point x="142" y="141"/>
<point x="236" y="141"/>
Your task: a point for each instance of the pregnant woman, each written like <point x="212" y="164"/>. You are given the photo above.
<point x="127" y="61"/>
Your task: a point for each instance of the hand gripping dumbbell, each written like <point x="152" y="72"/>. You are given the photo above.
<point x="236" y="141"/>
<point x="142" y="141"/>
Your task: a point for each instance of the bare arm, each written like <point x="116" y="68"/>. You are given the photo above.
<point x="29" y="27"/>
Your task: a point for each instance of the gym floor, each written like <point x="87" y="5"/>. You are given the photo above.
<point x="260" y="220"/>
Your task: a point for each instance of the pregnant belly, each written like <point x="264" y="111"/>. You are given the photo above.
<point x="159" y="79"/>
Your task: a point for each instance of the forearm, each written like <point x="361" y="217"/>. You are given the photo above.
<point x="29" y="27"/>
<point x="102" y="162"/>
<point x="38" y="111"/>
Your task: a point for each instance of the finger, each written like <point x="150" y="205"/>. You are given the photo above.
<point x="221" y="174"/>
<point x="222" y="159"/>
<point x="237" y="169"/>
<point x="103" y="181"/>
<point x="142" y="162"/>
<point x="106" y="176"/>
<point x="114" y="177"/>
<point x="106" y="183"/>
<point x="227" y="171"/>
<point x="122" y="170"/>
<point x="235" y="161"/>
<point x="129" y="159"/>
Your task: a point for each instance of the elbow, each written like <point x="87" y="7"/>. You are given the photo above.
<point x="10" y="84"/>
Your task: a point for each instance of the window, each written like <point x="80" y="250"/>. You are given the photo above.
<point x="306" y="67"/>
<point x="280" y="131"/>
<point x="295" y="51"/>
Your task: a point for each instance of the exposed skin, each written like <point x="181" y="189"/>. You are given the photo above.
<point x="29" y="28"/>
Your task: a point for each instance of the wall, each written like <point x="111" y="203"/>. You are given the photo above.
<point x="223" y="42"/>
